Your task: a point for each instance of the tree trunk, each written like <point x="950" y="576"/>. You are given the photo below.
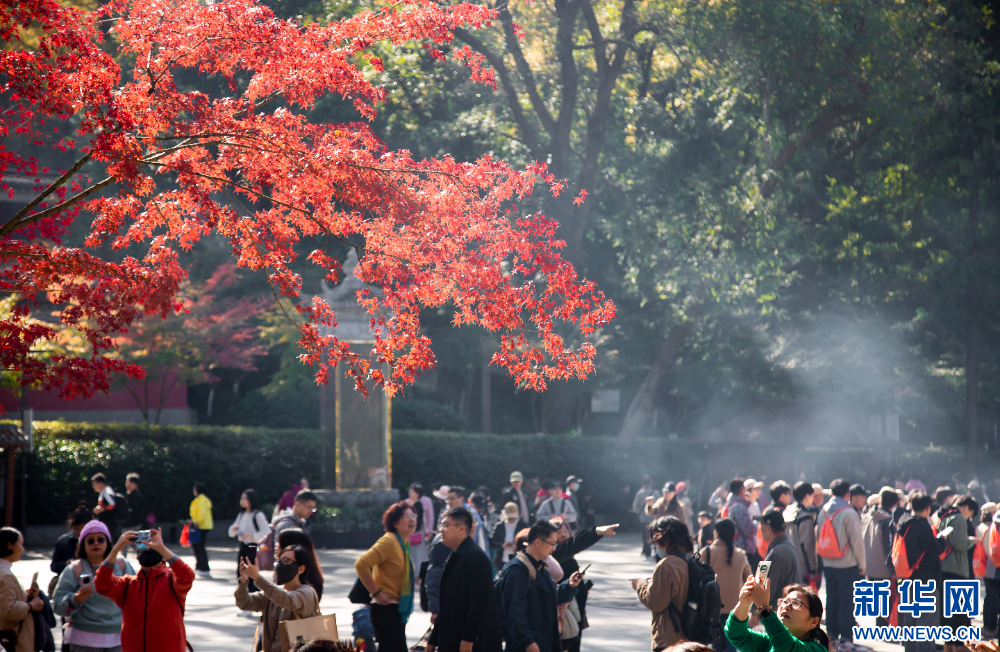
<point x="971" y="402"/>
<point x="484" y="412"/>
<point x="972" y="335"/>
<point x="641" y="408"/>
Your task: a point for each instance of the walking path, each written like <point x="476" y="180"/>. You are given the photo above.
<point x="617" y="620"/>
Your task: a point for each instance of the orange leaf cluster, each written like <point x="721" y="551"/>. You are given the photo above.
<point x="248" y="165"/>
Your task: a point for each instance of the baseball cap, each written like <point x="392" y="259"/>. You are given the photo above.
<point x="510" y="510"/>
<point x="773" y="517"/>
<point x="571" y="479"/>
<point x="670" y="486"/>
<point x="750" y="483"/>
<point x="517" y="476"/>
<point x="858" y="490"/>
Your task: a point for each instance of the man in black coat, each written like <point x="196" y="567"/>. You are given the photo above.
<point x="923" y="551"/>
<point x="467" y="617"/>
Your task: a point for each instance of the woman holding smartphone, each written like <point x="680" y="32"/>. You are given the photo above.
<point x="93" y="622"/>
<point x="249" y="528"/>
<point x="288" y="598"/>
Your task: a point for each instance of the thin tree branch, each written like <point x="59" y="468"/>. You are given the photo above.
<point x="528" y="129"/>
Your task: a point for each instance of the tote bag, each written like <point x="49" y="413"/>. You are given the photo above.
<point x="307" y="629"/>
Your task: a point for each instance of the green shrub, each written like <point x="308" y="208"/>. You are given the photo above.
<point x="169" y="461"/>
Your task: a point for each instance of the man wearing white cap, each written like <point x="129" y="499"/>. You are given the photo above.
<point x="514" y="494"/>
<point x="504" y="534"/>
<point x="753" y="495"/>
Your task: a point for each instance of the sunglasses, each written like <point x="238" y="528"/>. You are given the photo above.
<point x="95" y="541"/>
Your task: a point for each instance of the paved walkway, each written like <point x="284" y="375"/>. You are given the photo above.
<point x="617" y="620"/>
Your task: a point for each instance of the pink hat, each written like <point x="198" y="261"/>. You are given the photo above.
<point x="98" y="527"/>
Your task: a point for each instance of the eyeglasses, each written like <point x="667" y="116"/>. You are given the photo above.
<point x="551" y="543"/>
<point x="95" y="541"/>
<point x="793" y="603"/>
<point x="284" y="561"/>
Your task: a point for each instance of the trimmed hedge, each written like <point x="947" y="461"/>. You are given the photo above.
<point x="170" y="459"/>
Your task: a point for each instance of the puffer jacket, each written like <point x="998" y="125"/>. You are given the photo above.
<point x="152" y="604"/>
<point x="878" y="530"/>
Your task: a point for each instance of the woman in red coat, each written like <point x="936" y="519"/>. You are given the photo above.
<point x="152" y="602"/>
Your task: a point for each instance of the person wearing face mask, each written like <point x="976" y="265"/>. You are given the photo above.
<point x="152" y="600"/>
<point x="93" y="621"/>
<point x="288" y="598"/>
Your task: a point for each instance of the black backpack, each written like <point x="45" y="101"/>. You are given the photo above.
<point x="498" y="593"/>
<point x="699" y="622"/>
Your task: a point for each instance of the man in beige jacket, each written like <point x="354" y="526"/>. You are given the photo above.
<point x="16" y="604"/>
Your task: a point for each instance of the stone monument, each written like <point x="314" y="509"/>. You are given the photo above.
<point x="355" y="431"/>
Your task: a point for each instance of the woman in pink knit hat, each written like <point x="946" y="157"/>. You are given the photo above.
<point x="93" y="622"/>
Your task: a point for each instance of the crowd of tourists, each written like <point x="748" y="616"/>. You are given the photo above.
<point x="504" y="575"/>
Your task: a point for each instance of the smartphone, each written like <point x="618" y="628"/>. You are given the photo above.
<point x="585" y="569"/>
<point x="763" y="568"/>
<point x="86" y="579"/>
<point x="34" y="579"/>
<point x="142" y="536"/>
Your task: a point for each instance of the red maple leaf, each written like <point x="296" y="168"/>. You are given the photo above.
<point x="248" y="165"/>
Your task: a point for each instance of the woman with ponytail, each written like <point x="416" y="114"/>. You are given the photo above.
<point x="792" y="625"/>
<point x="731" y="570"/>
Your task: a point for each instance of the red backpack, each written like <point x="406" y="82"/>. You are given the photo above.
<point x="761" y="544"/>
<point x="900" y="562"/>
<point x="979" y="558"/>
<point x="827" y="544"/>
<point x="993" y="546"/>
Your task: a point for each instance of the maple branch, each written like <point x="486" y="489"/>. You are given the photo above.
<point x="530" y="134"/>
<point x="31" y="219"/>
<point x="55" y="184"/>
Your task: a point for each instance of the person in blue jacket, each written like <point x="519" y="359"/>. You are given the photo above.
<point x="529" y="598"/>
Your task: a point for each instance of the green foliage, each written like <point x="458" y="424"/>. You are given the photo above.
<point x="169" y="459"/>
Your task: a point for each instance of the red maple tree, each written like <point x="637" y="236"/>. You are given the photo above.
<point x="178" y="164"/>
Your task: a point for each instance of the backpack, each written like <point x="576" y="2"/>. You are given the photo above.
<point x="761" y="544"/>
<point x="948" y="548"/>
<point x="498" y="584"/>
<point x="265" y="549"/>
<point x="900" y="561"/>
<point x="827" y="544"/>
<point x="699" y="622"/>
<point x="979" y="559"/>
<point x="993" y="546"/>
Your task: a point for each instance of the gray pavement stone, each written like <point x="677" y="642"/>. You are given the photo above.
<point x="618" y="621"/>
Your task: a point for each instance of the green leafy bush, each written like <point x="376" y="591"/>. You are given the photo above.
<point x="169" y="461"/>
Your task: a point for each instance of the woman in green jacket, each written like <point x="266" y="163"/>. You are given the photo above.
<point x="792" y="625"/>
